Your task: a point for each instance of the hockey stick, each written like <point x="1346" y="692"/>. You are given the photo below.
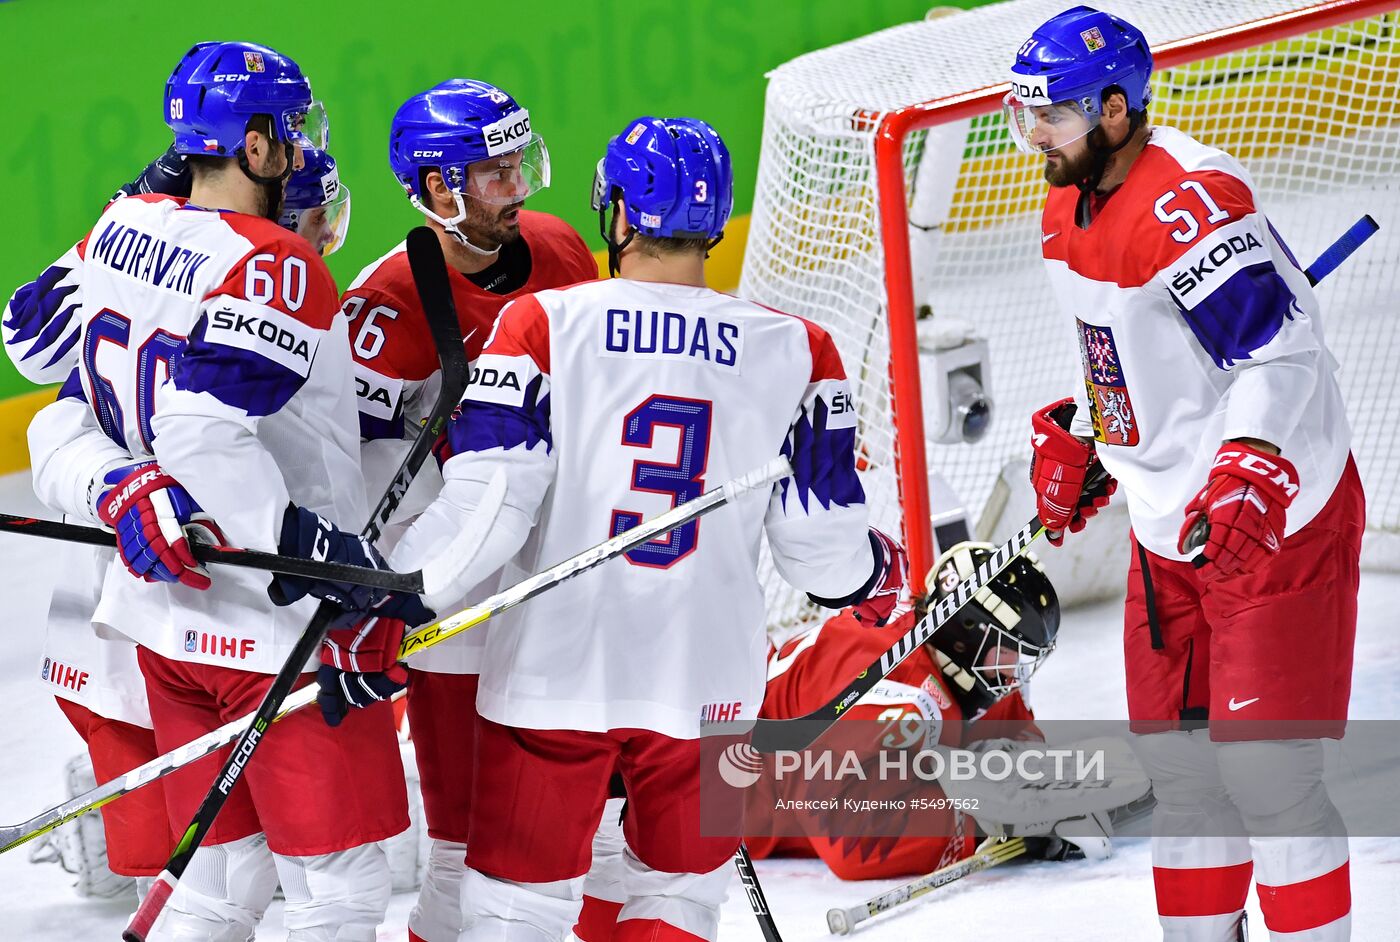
<point x="226" y="555"/>
<point x="757" y="901"/>
<point x="992" y="851"/>
<point x="1341" y="250"/>
<point x="430" y="277"/>
<point x="421" y="639"/>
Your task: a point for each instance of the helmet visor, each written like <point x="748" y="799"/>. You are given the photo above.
<point x="307" y="128"/>
<point x="1040" y="128"/>
<point x="324" y="226"/>
<point x="601" y="190"/>
<point x="510" y="178"/>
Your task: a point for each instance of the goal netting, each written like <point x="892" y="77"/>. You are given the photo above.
<point x="890" y="201"/>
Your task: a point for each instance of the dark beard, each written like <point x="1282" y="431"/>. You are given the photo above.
<point x="271" y="196"/>
<point x="1070" y="171"/>
<point x="484" y="227"/>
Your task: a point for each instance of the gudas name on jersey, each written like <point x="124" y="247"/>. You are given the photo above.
<point x="664" y="334"/>
<point x="147" y="258"/>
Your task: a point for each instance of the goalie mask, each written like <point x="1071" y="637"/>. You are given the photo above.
<point x="1000" y="637"/>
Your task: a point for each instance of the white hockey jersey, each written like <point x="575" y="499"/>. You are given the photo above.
<point x="212" y="340"/>
<point x="100" y="673"/>
<point x="610" y="402"/>
<point x="1195" y="325"/>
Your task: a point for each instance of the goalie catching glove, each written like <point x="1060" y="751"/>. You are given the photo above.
<point x="1043" y="798"/>
<point x="1060" y="465"/>
<point x="153" y="517"/>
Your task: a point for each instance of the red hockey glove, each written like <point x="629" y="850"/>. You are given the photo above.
<point x="360" y="666"/>
<point x="152" y="516"/>
<point x="1060" y="465"/>
<point x="891" y="582"/>
<point x="1240" y="513"/>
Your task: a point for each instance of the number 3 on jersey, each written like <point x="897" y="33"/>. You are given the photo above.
<point x="683" y="479"/>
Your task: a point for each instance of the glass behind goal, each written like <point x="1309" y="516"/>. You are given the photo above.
<point x="890" y="202"/>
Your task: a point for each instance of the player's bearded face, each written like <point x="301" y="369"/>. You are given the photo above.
<point x="1067" y="165"/>
<point x="488" y="225"/>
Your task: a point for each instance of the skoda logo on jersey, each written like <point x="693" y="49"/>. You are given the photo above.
<point x="191" y="640"/>
<point x="1190" y="277"/>
<point x="740" y="765"/>
<point x="508" y="134"/>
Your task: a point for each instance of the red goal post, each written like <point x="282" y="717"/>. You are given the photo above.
<point x="829" y="202"/>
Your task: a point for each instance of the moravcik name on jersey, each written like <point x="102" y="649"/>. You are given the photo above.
<point x="147" y="258"/>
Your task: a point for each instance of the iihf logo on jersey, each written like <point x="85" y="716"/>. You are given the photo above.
<point x="191" y="640"/>
<point x="1109" y="404"/>
<point x="45" y="672"/>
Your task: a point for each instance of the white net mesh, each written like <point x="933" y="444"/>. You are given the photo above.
<point x="1313" y="117"/>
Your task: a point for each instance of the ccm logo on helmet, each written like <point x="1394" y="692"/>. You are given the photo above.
<point x="230" y="77"/>
<point x="508" y="133"/>
<point x="427" y="153"/>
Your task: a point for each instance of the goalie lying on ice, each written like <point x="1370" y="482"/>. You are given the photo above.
<point x="964" y="690"/>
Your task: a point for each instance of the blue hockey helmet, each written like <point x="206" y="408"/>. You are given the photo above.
<point x="317" y="204"/>
<point x="674" y="178"/>
<point x="218" y="86"/>
<point x="673" y="175"/>
<point x="477" y="137"/>
<point x="1067" y="63"/>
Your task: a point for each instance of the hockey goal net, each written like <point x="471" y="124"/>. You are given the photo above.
<point x="890" y="201"/>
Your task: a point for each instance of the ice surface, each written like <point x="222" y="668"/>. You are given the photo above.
<point x="1109" y="900"/>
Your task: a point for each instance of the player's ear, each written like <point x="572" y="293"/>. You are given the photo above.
<point x="1115" y="113"/>
<point x="436" y="191"/>
<point x="619" y="221"/>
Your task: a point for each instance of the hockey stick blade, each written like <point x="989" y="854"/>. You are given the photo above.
<point x="991" y="852"/>
<point x="12" y="836"/>
<point x="429" y="269"/>
<point x="226" y="555"/>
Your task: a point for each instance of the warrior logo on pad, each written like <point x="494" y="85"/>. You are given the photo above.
<point x="1109" y="403"/>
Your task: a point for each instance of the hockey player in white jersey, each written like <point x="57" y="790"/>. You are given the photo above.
<point x="1211" y="398"/>
<point x="602" y="404"/>
<point x="213" y="355"/>
<point x="95" y="679"/>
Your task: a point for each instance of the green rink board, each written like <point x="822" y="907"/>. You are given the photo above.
<point x="82" y="82"/>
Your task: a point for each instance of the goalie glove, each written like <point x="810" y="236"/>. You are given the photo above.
<point x="1087" y="836"/>
<point x="1044" y="798"/>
